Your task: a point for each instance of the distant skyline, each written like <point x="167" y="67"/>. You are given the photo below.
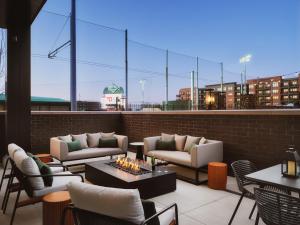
<point x="217" y="30"/>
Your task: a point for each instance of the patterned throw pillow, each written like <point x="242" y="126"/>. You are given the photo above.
<point x="190" y="141"/>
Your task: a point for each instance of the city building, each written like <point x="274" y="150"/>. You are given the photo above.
<point x="290" y="91"/>
<point x="113" y="98"/>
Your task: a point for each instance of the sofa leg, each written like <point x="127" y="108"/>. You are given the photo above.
<point x="197" y="176"/>
<point x="145" y="158"/>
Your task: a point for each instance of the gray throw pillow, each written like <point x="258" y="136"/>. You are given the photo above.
<point x="67" y="138"/>
<point x="167" y="137"/>
<point x="93" y="139"/>
<point x="82" y="138"/>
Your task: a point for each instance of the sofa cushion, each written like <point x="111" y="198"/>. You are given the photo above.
<point x="119" y="203"/>
<point x="107" y="135"/>
<point x="108" y="142"/>
<point x="182" y="158"/>
<point x="67" y="138"/>
<point x="166" y="145"/>
<point x="93" y="140"/>
<point x="93" y="152"/>
<point x="167" y="137"/>
<point x="82" y="138"/>
<point x="28" y="166"/>
<point x="74" y="146"/>
<point x="180" y="142"/>
<point x="190" y="142"/>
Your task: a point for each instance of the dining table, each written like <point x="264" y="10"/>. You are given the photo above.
<point x="273" y="176"/>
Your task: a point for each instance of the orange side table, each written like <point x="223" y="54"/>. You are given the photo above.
<point x="46" y="158"/>
<point x="217" y="175"/>
<point x="53" y="206"/>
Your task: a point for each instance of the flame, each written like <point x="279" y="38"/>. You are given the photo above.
<point x="128" y="164"/>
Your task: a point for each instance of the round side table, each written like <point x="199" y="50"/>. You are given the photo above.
<point x="53" y="206"/>
<point x="217" y="175"/>
<point x="139" y="149"/>
<point x="46" y="158"/>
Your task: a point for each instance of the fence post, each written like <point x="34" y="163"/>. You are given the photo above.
<point x="197" y="85"/>
<point x="192" y="89"/>
<point x="167" y="79"/>
<point x="126" y="69"/>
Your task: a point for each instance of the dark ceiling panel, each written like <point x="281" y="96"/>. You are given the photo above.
<point x="35" y="6"/>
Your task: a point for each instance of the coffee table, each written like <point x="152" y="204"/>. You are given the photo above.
<point x="155" y="183"/>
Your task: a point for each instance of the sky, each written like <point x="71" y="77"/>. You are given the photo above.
<point x="214" y="30"/>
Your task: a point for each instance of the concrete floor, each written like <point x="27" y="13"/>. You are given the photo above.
<point x="198" y="205"/>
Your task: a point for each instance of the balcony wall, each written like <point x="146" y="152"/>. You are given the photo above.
<point x="261" y="135"/>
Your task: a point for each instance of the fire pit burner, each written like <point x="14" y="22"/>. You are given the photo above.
<point x="139" y="171"/>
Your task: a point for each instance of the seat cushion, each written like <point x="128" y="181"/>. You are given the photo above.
<point x="56" y="169"/>
<point x="182" y="158"/>
<point x="93" y="152"/>
<point x="29" y="167"/>
<point x="119" y="203"/>
<point x="59" y="184"/>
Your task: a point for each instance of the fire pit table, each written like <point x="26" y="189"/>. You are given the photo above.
<point x="149" y="183"/>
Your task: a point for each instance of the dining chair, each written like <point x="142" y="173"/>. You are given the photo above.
<point x="277" y="208"/>
<point x="241" y="168"/>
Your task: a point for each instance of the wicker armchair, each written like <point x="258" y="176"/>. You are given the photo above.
<point x="241" y="168"/>
<point x="276" y="208"/>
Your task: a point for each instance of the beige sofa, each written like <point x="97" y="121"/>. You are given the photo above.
<point x="59" y="150"/>
<point x="199" y="157"/>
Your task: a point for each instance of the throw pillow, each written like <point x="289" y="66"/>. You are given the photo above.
<point x="108" y="142"/>
<point x="67" y="138"/>
<point x="203" y="140"/>
<point x="165" y="145"/>
<point x="119" y="203"/>
<point x="190" y="141"/>
<point x="93" y="139"/>
<point x="167" y="137"/>
<point x="107" y="135"/>
<point x="74" y="146"/>
<point x="82" y="138"/>
<point x="180" y="141"/>
<point x="190" y="149"/>
<point x="44" y="170"/>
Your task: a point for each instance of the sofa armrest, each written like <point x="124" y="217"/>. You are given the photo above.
<point x="206" y="153"/>
<point x="122" y="142"/>
<point x="58" y="149"/>
<point x="150" y="143"/>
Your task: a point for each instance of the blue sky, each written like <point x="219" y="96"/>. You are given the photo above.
<point x="217" y="30"/>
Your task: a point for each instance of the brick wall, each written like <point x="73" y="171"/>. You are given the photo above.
<point x="46" y="125"/>
<point x="259" y="138"/>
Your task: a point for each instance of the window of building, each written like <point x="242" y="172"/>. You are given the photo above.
<point x="275" y="97"/>
<point x="268" y="92"/>
<point x="260" y="92"/>
<point x="268" y="98"/>
<point x="229" y="89"/>
<point x="286" y="83"/>
<point x="275" y="84"/>
<point x="294" y="82"/>
<point x="295" y="96"/>
<point x="275" y="91"/>
<point x="285" y="90"/>
<point x="293" y="89"/>
<point x="285" y="97"/>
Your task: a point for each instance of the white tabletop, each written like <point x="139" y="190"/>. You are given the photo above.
<point x="137" y="143"/>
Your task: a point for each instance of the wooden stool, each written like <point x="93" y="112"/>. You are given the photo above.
<point x="53" y="206"/>
<point x="46" y="158"/>
<point x="217" y="175"/>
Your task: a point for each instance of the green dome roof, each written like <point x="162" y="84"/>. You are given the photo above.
<point x="113" y="89"/>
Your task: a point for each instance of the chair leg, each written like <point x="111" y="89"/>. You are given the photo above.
<point x="252" y="211"/>
<point x="8" y="194"/>
<point x="11" y="176"/>
<point x="236" y="208"/>
<point x="257" y="219"/>
<point x="16" y="206"/>
<point x="3" y="174"/>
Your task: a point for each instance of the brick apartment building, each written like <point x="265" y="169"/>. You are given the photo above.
<point x="275" y="91"/>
